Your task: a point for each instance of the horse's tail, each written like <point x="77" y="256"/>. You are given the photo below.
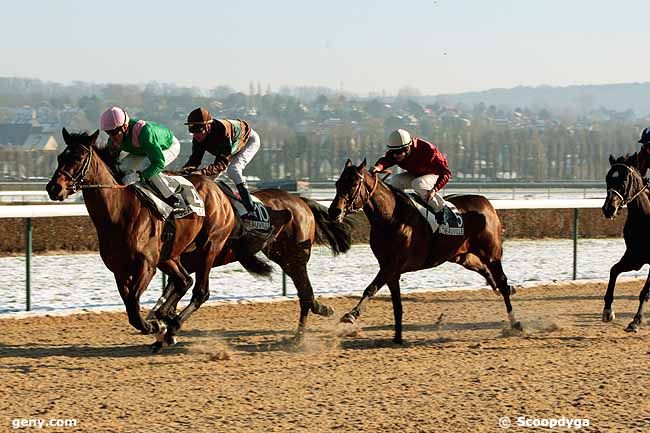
<point x="338" y="236"/>
<point x="254" y="264"/>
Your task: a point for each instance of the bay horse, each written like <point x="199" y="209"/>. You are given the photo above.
<point x="626" y="186"/>
<point x="402" y="240"/>
<point x="290" y="248"/>
<point x="130" y="235"/>
<point x="130" y="238"/>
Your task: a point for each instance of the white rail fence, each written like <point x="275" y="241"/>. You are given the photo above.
<point x="28" y="212"/>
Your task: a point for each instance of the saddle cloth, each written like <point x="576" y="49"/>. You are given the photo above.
<point x="178" y="184"/>
<point x="261" y="221"/>
<point x="453" y="225"/>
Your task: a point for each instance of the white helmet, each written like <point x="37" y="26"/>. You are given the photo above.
<point x="399" y="139"/>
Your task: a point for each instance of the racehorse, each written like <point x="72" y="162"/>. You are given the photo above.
<point x="130" y="235"/>
<point x="130" y="238"/>
<point x="625" y="186"/>
<point x="402" y="240"/>
<point x="290" y="248"/>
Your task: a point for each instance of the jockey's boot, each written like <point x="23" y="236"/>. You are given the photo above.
<point x="176" y="202"/>
<point x="246" y="200"/>
<point x="441" y="216"/>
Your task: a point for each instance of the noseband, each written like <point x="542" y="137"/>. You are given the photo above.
<point x="349" y="205"/>
<point x="77" y="178"/>
<point x="625" y="201"/>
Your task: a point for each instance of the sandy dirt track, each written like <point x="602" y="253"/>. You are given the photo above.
<point x="235" y="370"/>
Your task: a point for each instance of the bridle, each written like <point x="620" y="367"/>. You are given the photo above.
<point x="77" y="179"/>
<point x="625" y="201"/>
<point x="349" y="204"/>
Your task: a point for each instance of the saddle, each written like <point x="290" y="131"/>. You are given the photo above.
<point x="182" y="187"/>
<point x="452" y="224"/>
<point x="257" y="231"/>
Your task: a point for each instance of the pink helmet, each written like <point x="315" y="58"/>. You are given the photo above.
<point x="112" y="118"/>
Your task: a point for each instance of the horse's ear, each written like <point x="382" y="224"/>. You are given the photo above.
<point x="348" y="163"/>
<point x="93" y="138"/>
<point x="611" y="160"/>
<point x="363" y="164"/>
<point x="66" y="136"/>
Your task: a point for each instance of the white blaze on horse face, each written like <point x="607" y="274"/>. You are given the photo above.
<point x="615" y="174"/>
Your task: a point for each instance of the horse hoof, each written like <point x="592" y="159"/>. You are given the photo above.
<point x="608" y="315"/>
<point x="347" y="318"/>
<point x="170" y="340"/>
<point x="398" y="340"/>
<point x="156" y="347"/>
<point x="517" y="326"/>
<point x="328" y="311"/>
<point x="632" y="327"/>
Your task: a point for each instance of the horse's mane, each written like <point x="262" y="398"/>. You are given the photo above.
<point x="102" y="151"/>
<point x="399" y="194"/>
<point x="628" y="159"/>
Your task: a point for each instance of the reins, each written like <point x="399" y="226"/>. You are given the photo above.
<point x="625" y="201"/>
<point x="357" y="193"/>
<point x="78" y="178"/>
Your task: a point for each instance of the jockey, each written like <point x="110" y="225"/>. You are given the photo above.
<point x="232" y="142"/>
<point x="150" y="147"/>
<point x="426" y="167"/>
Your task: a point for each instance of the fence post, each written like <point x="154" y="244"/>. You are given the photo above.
<point x="284" y="284"/>
<point x="575" y="243"/>
<point x="28" y="263"/>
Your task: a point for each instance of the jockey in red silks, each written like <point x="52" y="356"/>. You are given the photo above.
<point x="149" y="148"/>
<point x="427" y="170"/>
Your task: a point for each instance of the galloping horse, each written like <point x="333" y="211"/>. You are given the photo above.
<point x="130" y="235"/>
<point x="130" y="238"/>
<point x="402" y="240"/>
<point x="290" y="248"/>
<point x="625" y="186"/>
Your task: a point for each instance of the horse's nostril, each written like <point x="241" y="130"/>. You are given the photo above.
<point x="53" y="189"/>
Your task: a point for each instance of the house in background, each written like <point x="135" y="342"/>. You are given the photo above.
<point x="24" y="132"/>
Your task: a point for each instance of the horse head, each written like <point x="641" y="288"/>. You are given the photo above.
<point x="73" y="165"/>
<point x="351" y="192"/>
<point x="624" y="184"/>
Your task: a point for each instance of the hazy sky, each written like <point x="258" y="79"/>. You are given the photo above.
<point x="442" y="46"/>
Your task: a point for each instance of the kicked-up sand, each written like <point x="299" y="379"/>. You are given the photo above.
<point x="236" y="368"/>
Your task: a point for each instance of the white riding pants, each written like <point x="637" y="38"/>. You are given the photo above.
<point x="241" y="159"/>
<point x="421" y="185"/>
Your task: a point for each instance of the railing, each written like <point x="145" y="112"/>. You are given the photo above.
<point x="28" y="212"/>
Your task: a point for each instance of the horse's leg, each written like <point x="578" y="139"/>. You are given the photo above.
<point x="496" y="269"/>
<point x="180" y="282"/>
<point x="294" y="264"/>
<point x="135" y="285"/>
<point x="643" y="297"/>
<point x="396" y="298"/>
<point x="474" y="263"/>
<point x="167" y="292"/>
<point x="200" y="292"/>
<point x="371" y="290"/>
<point x="623" y="265"/>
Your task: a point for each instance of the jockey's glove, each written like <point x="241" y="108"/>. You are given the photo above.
<point x="215" y="169"/>
<point x="131" y="178"/>
<point x="186" y="170"/>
